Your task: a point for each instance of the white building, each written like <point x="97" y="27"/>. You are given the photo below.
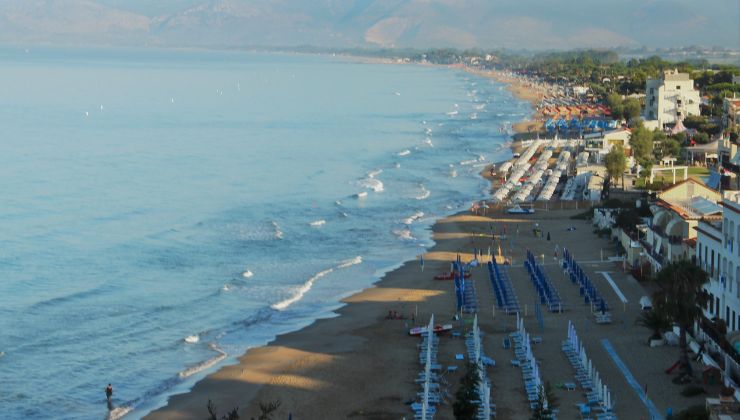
<point x="671" y="235"/>
<point x="718" y="253"/>
<point x="670" y="98"/>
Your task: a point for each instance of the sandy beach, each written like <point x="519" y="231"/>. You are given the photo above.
<point x="362" y="365"/>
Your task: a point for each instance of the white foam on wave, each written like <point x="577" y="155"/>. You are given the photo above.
<point x="452" y="113"/>
<point x="404" y="152"/>
<point x="428" y="141"/>
<point x="453" y="173"/>
<point x="317" y="223"/>
<point x="404" y="234"/>
<point x="204" y="365"/>
<point x="374" y="173"/>
<point x="247" y="274"/>
<point x="305" y="287"/>
<point x="119" y="412"/>
<point x="468" y="162"/>
<point x="411" y="219"/>
<point x="362" y="194"/>
<point x="350" y="262"/>
<point x="278" y="233"/>
<point x="372" y="183"/>
<point x="424" y="193"/>
<point x="192" y="339"/>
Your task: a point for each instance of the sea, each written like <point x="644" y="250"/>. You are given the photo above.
<point x="163" y="211"/>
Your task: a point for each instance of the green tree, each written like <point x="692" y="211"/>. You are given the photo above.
<point x="546" y="403"/>
<point x="641" y="141"/>
<point x="464" y="408"/>
<point x="615" y="162"/>
<point x="614" y="102"/>
<point x="631" y="108"/>
<point x="654" y="320"/>
<point x="680" y="297"/>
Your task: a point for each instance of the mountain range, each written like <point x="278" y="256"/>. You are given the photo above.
<point x="532" y="24"/>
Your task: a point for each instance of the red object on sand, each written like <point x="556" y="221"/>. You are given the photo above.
<point x="449" y="276"/>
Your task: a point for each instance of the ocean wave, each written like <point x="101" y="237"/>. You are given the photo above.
<point x="361" y="194"/>
<point x="277" y="233"/>
<point x="318" y="223"/>
<point x="371" y="183"/>
<point x="404" y="152"/>
<point x="404" y="234"/>
<point x="452" y="113"/>
<point x="416" y="216"/>
<point x="305" y="287"/>
<point x="468" y="162"/>
<point x="350" y="262"/>
<point x="192" y="339"/>
<point x="428" y="142"/>
<point x="247" y="274"/>
<point x="119" y="412"/>
<point x="68" y="298"/>
<point x="374" y="173"/>
<point x="424" y="193"/>
<point x="204" y="365"/>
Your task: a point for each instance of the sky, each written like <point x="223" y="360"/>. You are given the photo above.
<point x="526" y="24"/>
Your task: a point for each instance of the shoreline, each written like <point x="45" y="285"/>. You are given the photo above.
<point x="240" y="384"/>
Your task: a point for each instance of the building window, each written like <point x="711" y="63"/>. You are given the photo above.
<point x="716" y="305"/>
<point x="711" y="273"/>
<point x="678" y="87"/>
<point x="733" y="320"/>
<point x="727" y="313"/>
<point x="652" y="91"/>
<point x="711" y="303"/>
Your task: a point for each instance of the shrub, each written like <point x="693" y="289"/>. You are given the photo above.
<point x="695" y="412"/>
<point x="692" y="390"/>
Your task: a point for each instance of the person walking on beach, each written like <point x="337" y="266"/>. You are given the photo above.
<point x="109" y="394"/>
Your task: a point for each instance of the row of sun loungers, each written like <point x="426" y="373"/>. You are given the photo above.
<point x="467" y="299"/>
<point x="519" y="168"/>
<point x="503" y="290"/>
<point x="587" y="289"/>
<point x="428" y="378"/>
<point x="486" y="409"/>
<point x="526" y="361"/>
<point x="598" y="397"/>
<point x="545" y="289"/>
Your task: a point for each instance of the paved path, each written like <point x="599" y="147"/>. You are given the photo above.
<point x="613" y="285"/>
<point x="654" y="413"/>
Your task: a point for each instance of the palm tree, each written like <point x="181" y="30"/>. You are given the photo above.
<point x="681" y="298"/>
<point x="654" y="320"/>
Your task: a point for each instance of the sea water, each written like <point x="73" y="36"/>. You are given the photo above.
<point x="163" y="211"/>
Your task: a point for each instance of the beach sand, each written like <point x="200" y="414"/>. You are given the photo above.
<point x="361" y="365"/>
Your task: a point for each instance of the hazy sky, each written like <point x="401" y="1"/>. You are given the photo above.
<point x="533" y="24"/>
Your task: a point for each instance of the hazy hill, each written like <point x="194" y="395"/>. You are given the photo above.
<point x="417" y="23"/>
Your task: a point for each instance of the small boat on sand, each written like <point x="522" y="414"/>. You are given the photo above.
<point x="437" y="329"/>
<point x="449" y="276"/>
<point x="517" y="209"/>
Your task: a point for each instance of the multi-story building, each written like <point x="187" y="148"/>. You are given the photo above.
<point x="670" y="235"/>
<point x="730" y="113"/>
<point x="670" y="98"/>
<point x="718" y="253"/>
